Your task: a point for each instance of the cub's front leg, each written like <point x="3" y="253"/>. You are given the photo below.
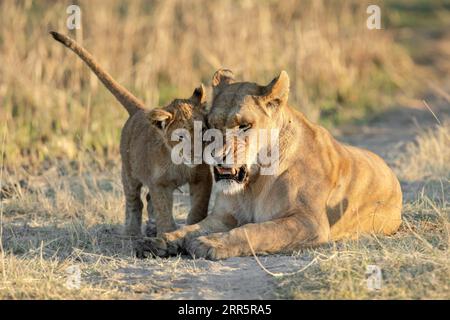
<point x="133" y="205"/>
<point x="276" y="236"/>
<point x="162" y="202"/>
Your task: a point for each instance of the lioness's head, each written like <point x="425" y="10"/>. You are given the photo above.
<point x="177" y="122"/>
<point x="243" y="109"/>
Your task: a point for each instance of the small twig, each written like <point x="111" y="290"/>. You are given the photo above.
<point x="426" y="105"/>
<point x="257" y="259"/>
<point x="79" y="252"/>
<point x="280" y="274"/>
<point x="425" y="242"/>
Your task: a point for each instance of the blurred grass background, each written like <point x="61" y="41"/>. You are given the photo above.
<point x="52" y="106"/>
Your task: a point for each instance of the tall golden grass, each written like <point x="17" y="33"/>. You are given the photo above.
<point x="52" y="105"/>
<point x="428" y="156"/>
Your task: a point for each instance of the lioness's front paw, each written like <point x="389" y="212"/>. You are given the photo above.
<point x="208" y="247"/>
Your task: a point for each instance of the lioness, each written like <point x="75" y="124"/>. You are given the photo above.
<point x="322" y="191"/>
<point x="145" y="148"/>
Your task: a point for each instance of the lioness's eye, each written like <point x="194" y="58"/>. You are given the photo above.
<point x="245" y="127"/>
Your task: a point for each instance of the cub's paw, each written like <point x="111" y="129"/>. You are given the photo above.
<point x="130" y="232"/>
<point x="162" y="246"/>
<point x="150" y="247"/>
<point x="154" y="247"/>
<point x="209" y="247"/>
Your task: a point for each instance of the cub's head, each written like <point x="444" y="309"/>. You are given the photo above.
<point x="250" y="117"/>
<point x="179" y="123"/>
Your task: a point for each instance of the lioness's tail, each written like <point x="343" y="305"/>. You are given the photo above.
<point x="126" y="98"/>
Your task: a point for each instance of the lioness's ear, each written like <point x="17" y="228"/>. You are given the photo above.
<point x="276" y="93"/>
<point x="199" y="95"/>
<point x="160" y="118"/>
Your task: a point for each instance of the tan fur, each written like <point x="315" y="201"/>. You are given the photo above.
<point x="323" y="191"/>
<point x="145" y="148"/>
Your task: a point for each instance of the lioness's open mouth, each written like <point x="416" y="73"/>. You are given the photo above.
<point x="236" y="174"/>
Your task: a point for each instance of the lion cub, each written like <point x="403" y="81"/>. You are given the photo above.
<point x="145" y="148"/>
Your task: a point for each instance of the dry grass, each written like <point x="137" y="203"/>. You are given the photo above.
<point x="52" y="222"/>
<point x="429" y="156"/>
<point x="62" y="218"/>
<point x="53" y="105"/>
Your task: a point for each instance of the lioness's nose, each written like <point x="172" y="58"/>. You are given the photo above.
<point x="221" y="155"/>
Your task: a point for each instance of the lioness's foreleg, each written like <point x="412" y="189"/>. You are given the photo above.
<point x="280" y="235"/>
<point x="172" y="243"/>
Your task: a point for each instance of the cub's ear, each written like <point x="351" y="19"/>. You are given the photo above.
<point x="222" y="76"/>
<point x="199" y="95"/>
<point x="276" y="93"/>
<point x="160" y="118"/>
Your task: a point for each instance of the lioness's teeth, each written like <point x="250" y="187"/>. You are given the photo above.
<point x="221" y="170"/>
<point x="228" y="171"/>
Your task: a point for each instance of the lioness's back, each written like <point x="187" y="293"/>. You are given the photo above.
<point x="374" y="196"/>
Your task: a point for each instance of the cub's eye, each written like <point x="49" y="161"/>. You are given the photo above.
<point x="245" y="127"/>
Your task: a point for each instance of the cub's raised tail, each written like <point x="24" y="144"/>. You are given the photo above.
<point x="126" y="98"/>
